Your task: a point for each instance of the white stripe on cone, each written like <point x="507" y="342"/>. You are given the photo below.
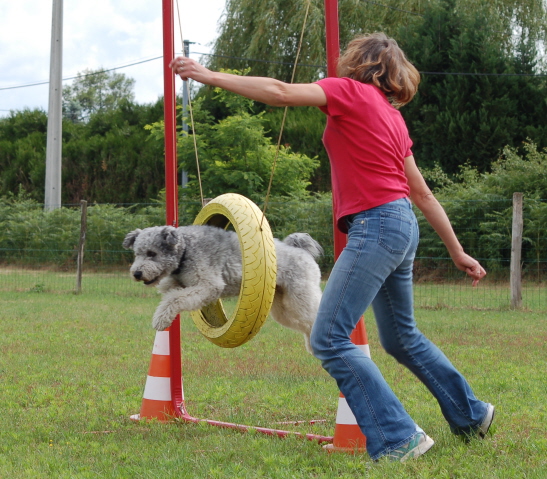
<point x="365" y="348"/>
<point x="344" y="414"/>
<point x="158" y="389"/>
<point x="347" y="433"/>
<point x="161" y="343"/>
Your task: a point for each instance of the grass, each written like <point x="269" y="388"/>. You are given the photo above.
<point x="73" y="369"/>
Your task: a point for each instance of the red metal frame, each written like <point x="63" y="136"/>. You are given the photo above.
<point x="170" y="116"/>
<point x="171" y="187"/>
<point x="171" y="203"/>
<point x="333" y="53"/>
<point x="332" y="36"/>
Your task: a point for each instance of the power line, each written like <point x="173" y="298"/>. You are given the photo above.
<point x="86" y="75"/>
<point x="487" y="74"/>
<point x="255" y="60"/>
<point x="422" y="72"/>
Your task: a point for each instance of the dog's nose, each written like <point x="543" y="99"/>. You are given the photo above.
<point x="137" y="275"/>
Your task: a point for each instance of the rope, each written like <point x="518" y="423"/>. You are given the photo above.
<point x="266" y="200"/>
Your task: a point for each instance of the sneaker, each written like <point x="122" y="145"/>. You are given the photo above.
<point x="420" y="444"/>
<point x="487" y="422"/>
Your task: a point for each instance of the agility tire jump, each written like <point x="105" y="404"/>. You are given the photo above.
<point x="259" y="269"/>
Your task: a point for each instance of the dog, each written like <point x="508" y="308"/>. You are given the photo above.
<point x="193" y="266"/>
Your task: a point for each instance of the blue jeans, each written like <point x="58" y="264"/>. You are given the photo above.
<point x="376" y="268"/>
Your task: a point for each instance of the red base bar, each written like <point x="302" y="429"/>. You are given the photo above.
<point x="264" y="430"/>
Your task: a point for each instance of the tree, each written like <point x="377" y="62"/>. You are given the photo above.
<point x="264" y="34"/>
<point x="473" y="103"/>
<point x="303" y="133"/>
<point x="23" y="152"/>
<point x="94" y="91"/>
<point x="109" y="159"/>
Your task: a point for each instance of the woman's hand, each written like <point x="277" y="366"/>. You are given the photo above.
<point x="471" y="266"/>
<point x="188" y="68"/>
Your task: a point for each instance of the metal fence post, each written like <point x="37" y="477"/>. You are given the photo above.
<point x="516" y="251"/>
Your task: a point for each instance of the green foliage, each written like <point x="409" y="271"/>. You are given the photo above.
<point x="480" y="208"/>
<point x="108" y="159"/>
<point x="32" y="236"/>
<point x="269" y="31"/>
<point x="470" y="117"/>
<point x="303" y="132"/>
<point x="111" y="158"/>
<point x="23" y="151"/>
<point x="28" y="233"/>
<point x="515" y="173"/>
<point x="236" y="156"/>
<point x="96" y="91"/>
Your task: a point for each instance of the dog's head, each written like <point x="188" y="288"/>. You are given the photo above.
<point x="158" y="251"/>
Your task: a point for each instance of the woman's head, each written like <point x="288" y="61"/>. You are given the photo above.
<point x="377" y="59"/>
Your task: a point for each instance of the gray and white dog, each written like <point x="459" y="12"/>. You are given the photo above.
<point x="193" y="266"/>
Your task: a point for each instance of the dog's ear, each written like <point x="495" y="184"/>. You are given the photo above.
<point x="170" y="235"/>
<point x="129" y="240"/>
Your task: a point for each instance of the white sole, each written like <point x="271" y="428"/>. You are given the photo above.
<point x="420" y="449"/>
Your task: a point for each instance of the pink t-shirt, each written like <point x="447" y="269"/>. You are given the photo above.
<point x="367" y="141"/>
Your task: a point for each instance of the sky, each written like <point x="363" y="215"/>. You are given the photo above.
<point x="96" y="34"/>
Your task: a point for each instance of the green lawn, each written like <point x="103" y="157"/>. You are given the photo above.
<point x="73" y="369"/>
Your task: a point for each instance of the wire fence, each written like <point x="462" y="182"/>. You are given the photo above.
<point x="38" y="250"/>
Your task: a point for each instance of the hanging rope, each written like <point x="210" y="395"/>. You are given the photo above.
<point x="278" y="146"/>
<point x="266" y="200"/>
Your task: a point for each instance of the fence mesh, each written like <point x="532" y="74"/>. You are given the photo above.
<point x="38" y="250"/>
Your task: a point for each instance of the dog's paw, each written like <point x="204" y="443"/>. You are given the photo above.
<point x="161" y="320"/>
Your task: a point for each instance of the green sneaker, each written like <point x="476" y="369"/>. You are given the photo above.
<point x="420" y="444"/>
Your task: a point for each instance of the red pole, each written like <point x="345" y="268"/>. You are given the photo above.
<point x="333" y="53"/>
<point x="359" y="336"/>
<point x="332" y="36"/>
<point x="169" y="99"/>
<point x="171" y="187"/>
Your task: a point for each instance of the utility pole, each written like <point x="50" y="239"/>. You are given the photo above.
<point x="52" y="198"/>
<point x="185" y="86"/>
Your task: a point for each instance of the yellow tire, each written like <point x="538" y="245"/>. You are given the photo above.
<point x="259" y="270"/>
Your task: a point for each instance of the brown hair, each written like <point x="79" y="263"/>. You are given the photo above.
<point x="377" y="59"/>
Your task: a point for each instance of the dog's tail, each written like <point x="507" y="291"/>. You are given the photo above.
<point x="306" y="242"/>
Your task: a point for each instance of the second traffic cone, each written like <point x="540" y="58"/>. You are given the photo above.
<point x="157" y="401"/>
<point x="347" y="433"/>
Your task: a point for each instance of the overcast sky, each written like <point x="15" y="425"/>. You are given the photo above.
<point x="97" y="33"/>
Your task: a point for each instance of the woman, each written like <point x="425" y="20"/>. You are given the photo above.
<point x="374" y="175"/>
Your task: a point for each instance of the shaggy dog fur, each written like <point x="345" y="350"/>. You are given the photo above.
<point x="193" y="266"/>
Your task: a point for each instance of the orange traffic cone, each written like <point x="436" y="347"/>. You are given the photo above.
<point x="157" y="400"/>
<point x="347" y="434"/>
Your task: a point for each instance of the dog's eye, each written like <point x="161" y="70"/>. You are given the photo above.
<point x="150" y="254"/>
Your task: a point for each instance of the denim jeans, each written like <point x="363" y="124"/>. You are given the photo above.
<point x="376" y="268"/>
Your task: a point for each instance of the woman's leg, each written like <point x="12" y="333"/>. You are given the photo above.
<point x="394" y="312"/>
<point x="355" y="279"/>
